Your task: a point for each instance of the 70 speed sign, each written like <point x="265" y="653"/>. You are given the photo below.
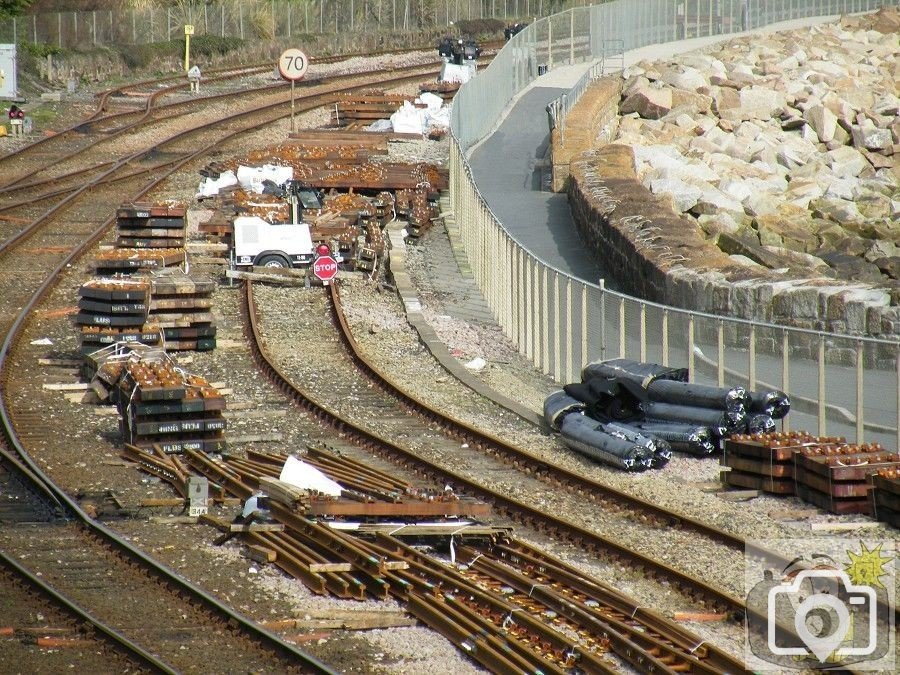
<point x="292" y="64"/>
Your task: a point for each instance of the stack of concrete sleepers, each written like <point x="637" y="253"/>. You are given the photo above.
<point x="114" y="310"/>
<point x="766" y="461"/>
<point x="150" y="226"/>
<point x="885" y="496"/>
<point x="837" y="478"/>
<point x="132" y="260"/>
<point x="162" y="406"/>
<point x="181" y="306"/>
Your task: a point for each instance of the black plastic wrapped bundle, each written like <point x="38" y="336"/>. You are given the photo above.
<point x="608" y="399"/>
<point x="587" y="436"/>
<point x="690" y="438"/>
<point x="559" y="404"/>
<point x="662" y="451"/>
<point x="760" y="423"/>
<point x="734" y="399"/>
<point x="634" y="371"/>
<point x="772" y="402"/>
<point x="721" y="422"/>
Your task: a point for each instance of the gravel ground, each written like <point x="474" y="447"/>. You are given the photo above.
<point x="84" y="458"/>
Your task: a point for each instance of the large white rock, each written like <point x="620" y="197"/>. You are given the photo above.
<point x="762" y="102"/>
<point x="649" y="102"/>
<point x="846" y="162"/>
<point x="690" y="79"/>
<point x="871" y="137"/>
<point x="822" y="121"/>
<point x="684" y="195"/>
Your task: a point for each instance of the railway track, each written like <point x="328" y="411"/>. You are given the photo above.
<point x="184" y="625"/>
<point x="658" y="655"/>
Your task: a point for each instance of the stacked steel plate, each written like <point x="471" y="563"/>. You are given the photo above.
<point x="161" y="405"/>
<point x="150" y="226"/>
<point x="836" y="477"/>
<point x="766" y="461"/>
<point x="621" y="405"/>
<point x="885" y="495"/>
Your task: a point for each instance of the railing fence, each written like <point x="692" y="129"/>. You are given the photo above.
<point x="839" y="385"/>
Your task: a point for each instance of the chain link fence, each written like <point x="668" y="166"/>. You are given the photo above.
<point x="839" y="385"/>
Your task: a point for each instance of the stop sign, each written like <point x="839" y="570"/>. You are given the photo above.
<point x="325" y="268"/>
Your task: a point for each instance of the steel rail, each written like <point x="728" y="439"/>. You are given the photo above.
<point x="515" y="509"/>
<point x="119" y="641"/>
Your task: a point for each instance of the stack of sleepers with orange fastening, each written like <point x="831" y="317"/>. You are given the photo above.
<point x="836" y="477"/>
<point x="885" y="495"/>
<point x="160" y="405"/>
<point x="131" y="260"/>
<point x="766" y="461"/>
<point x="114" y="310"/>
<point x="150" y="226"/>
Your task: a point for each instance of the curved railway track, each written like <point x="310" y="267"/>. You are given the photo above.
<point x="32" y="260"/>
<point x="54" y="247"/>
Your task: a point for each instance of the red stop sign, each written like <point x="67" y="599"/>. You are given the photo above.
<point x="325" y="268"/>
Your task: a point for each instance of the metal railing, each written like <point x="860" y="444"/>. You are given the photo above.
<point x="839" y="384"/>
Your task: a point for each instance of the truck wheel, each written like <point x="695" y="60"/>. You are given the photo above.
<point x="274" y="261"/>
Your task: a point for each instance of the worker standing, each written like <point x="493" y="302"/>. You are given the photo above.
<point x="16" y="120"/>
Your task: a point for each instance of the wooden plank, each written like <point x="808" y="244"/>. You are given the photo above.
<point x="261" y="554"/>
<point x="174" y="520"/>
<point x="256" y="527"/>
<point x="842" y="527"/>
<point x="66" y="386"/>
<point x="330" y="567"/>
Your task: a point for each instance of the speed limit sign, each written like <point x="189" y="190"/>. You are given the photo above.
<point x="292" y="64"/>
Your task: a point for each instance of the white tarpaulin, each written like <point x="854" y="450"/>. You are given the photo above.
<point x="252" y="177"/>
<point x="209" y="187"/>
<point x="307" y="477"/>
<point x="408" y="120"/>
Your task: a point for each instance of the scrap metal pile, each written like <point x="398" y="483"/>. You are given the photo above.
<point x="358" y="193"/>
<point x="632" y="415"/>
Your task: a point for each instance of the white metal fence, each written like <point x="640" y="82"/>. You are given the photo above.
<point x="839" y="385"/>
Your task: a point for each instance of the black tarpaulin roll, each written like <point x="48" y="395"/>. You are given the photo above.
<point x="608" y="399"/>
<point x="701" y="395"/>
<point x="770" y="402"/>
<point x="634" y="371"/>
<point x="721" y="422"/>
<point x="586" y="436"/>
<point x="662" y="451"/>
<point x="690" y="438"/>
<point x="559" y="404"/>
<point x="760" y="423"/>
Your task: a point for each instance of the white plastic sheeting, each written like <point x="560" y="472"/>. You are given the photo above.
<point x="305" y="476"/>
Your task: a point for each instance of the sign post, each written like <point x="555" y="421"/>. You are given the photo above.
<point x="188" y="31"/>
<point x="292" y="65"/>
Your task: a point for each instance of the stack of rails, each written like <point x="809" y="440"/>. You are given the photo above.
<point x="142" y="225"/>
<point x="331" y="145"/>
<point x="366" y="492"/>
<point x="885" y="496"/>
<point x="836" y="477"/>
<point x="766" y="461"/>
<point x="163" y="408"/>
<point x="356" y="110"/>
<point x="181" y="306"/>
<point x="382" y="176"/>
<point x="446" y="90"/>
<point x="112" y="310"/>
